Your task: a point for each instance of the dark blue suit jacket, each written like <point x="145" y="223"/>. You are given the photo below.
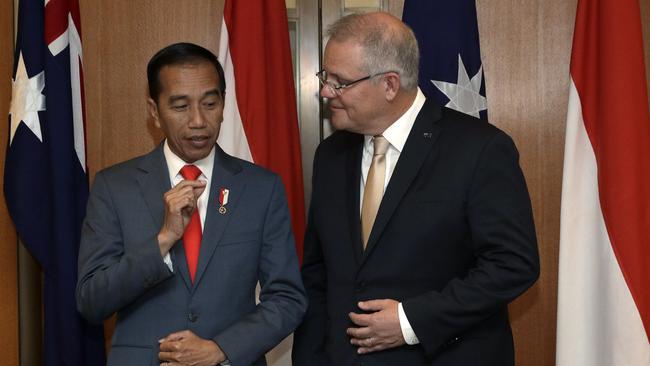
<point x="121" y="269"/>
<point x="453" y="240"/>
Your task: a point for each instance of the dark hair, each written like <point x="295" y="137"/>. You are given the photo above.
<point x="178" y="54"/>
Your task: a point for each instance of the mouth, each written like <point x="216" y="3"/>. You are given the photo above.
<point x="198" y="141"/>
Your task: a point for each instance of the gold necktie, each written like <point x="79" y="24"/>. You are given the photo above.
<point x="374" y="189"/>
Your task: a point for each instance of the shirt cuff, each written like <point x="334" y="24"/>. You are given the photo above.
<point x="407" y="330"/>
<point x="168" y="261"/>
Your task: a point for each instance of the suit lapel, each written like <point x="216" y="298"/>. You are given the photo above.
<point x="154" y="182"/>
<point x="224" y="175"/>
<point x="422" y="137"/>
<point x="353" y="172"/>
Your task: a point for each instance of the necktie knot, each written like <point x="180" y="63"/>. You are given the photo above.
<point x="380" y="145"/>
<point x="190" y="172"/>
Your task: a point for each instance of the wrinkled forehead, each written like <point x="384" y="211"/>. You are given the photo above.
<point x="343" y="58"/>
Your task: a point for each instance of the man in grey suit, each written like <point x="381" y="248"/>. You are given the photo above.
<point x="183" y="301"/>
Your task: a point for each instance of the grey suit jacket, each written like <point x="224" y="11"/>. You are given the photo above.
<point x="121" y="269"/>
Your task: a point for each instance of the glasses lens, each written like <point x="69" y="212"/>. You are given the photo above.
<point x="330" y="85"/>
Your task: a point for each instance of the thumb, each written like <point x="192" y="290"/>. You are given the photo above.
<point x="177" y="336"/>
<point x="372" y="305"/>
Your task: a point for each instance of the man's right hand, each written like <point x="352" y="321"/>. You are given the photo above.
<point x="180" y="203"/>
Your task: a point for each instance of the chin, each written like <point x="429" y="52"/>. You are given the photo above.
<point x="338" y="124"/>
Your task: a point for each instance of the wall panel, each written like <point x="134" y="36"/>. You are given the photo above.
<point x="526" y="47"/>
<point x="8" y="241"/>
<point x="119" y="38"/>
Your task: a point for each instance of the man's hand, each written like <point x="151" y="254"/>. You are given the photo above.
<point x="379" y="330"/>
<point x="180" y="203"/>
<point x="187" y="349"/>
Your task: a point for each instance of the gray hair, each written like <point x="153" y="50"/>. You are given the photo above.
<point x="386" y="47"/>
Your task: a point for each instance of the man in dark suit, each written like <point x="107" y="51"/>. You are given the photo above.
<point x="178" y="257"/>
<point x="420" y="229"/>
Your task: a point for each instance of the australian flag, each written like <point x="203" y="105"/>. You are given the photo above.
<point x="450" y="62"/>
<point x="45" y="182"/>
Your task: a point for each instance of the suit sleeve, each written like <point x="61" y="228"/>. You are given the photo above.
<point x="110" y="277"/>
<point x="309" y="338"/>
<point x="282" y="297"/>
<point x="504" y="245"/>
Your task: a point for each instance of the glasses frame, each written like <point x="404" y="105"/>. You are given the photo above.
<point x="336" y="88"/>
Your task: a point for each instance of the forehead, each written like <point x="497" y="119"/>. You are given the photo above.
<point x="343" y="58"/>
<point x="180" y="77"/>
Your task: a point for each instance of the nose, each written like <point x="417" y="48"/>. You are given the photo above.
<point x="327" y="92"/>
<point x="197" y="119"/>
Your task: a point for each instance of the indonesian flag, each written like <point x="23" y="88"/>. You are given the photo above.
<point x="260" y="118"/>
<point x="604" y="274"/>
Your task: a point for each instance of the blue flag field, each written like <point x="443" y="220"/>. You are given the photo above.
<point x="450" y="63"/>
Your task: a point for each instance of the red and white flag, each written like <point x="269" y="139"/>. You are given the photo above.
<point x="604" y="271"/>
<point x="260" y="118"/>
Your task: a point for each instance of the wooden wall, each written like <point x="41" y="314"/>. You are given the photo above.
<point x="119" y="38"/>
<point x="8" y="248"/>
<point x="526" y="47"/>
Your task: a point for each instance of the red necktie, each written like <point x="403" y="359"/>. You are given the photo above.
<point x="192" y="235"/>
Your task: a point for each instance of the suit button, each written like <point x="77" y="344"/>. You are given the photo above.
<point x="192" y="317"/>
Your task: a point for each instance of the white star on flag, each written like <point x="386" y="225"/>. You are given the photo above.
<point x="464" y="96"/>
<point x="26" y="100"/>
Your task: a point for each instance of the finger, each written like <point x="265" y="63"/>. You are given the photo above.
<point x="373" y="305"/>
<point x="192" y="183"/>
<point x="364" y="350"/>
<point x="181" y="201"/>
<point x="182" y="188"/>
<point x="363" y="342"/>
<point x="170" y="346"/>
<point x="360" y="333"/>
<point x="198" y="191"/>
<point x="166" y="356"/>
<point x="181" y="204"/>
<point x="176" y="203"/>
<point x="360" y="319"/>
<point x="180" y="191"/>
<point x="173" y="337"/>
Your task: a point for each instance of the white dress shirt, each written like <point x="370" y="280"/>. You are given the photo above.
<point x="396" y="134"/>
<point x="174" y="165"/>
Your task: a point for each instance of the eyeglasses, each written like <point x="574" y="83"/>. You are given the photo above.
<point x="336" y="88"/>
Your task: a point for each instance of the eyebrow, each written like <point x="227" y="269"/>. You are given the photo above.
<point x="215" y="91"/>
<point x="174" y="98"/>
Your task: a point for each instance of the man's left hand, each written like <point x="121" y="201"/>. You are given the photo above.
<point x="378" y="330"/>
<point x="186" y="348"/>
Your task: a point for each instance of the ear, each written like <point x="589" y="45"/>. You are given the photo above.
<point x="152" y="107"/>
<point x="392" y="85"/>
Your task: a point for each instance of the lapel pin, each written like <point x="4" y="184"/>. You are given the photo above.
<point x="223" y="200"/>
<point x="427" y="135"/>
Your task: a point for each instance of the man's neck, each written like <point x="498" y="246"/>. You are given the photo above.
<point x="398" y="106"/>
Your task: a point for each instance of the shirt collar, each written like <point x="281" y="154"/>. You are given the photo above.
<point x="175" y="163"/>
<point x="398" y="132"/>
